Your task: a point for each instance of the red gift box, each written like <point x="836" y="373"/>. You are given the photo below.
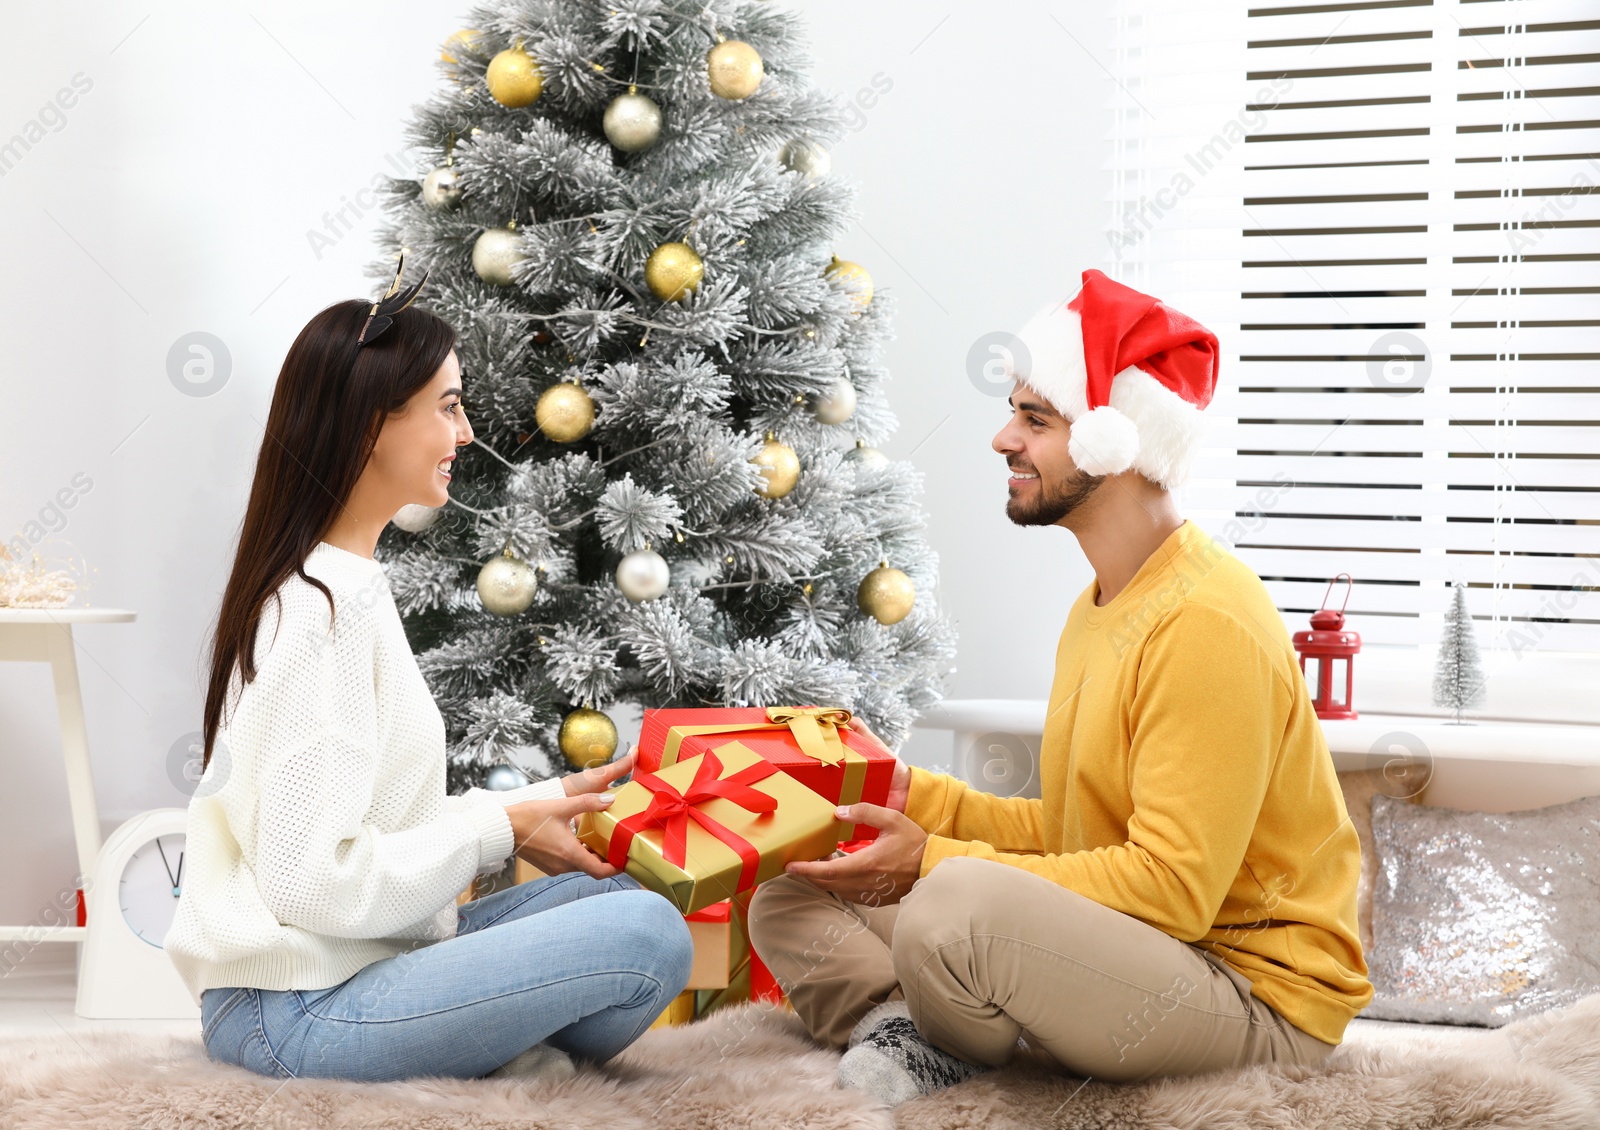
<point x="814" y="745"/>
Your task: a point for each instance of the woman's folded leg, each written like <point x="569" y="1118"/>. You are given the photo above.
<point x="587" y="974"/>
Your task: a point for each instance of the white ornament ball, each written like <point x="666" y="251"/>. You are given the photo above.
<point x="802" y="155"/>
<point x="495" y="253"/>
<point x="414" y="517"/>
<point x="441" y="188"/>
<point x="838" y="404"/>
<point x="503" y="777"/>
<point x="632" y="122"/>
<point x="866" y="456"/>
<point x="643" y="575"/>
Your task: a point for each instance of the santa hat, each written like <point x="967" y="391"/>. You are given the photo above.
<point x="1130" y="373"/>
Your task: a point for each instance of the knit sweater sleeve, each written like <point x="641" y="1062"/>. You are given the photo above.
<point x="319" y="863"/>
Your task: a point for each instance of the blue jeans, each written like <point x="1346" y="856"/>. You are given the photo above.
<point x="583" y="964"/>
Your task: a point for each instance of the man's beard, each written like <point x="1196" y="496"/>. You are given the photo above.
<point x="1052" y="505"/>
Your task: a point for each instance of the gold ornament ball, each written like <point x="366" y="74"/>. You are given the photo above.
<point x="673" y="271"/>
<point x="514" y="78"/>
<point x="494" y="255"/>
<point x="506" y="584"/>
<point x="587" y="738"/>
<point x="441" y="188"/>
<point x="632" y="122"/>
<point x="734" y="68"/>
<point x="463" y="41"/>
<point x="838" y="404"/>
<point x="780" y="469"/>
<point x="565" y="413"/>
<point x="886" y="594"/>
<point x="853" y="276"/>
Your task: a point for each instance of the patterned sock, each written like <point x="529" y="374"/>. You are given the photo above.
<point x="539" y="1064"/>
<point x="890" y="1061"/>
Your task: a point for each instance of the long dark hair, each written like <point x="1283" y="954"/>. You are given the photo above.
<point x="328" y="407"/>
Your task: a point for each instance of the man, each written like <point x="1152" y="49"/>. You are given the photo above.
<point x="1182" y="898"/>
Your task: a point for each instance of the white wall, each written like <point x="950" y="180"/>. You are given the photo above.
<point x="175" y="195"/>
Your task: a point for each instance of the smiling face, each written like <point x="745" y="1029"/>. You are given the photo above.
<point x="1045" y="485"/>
<point x="410" y="459"/>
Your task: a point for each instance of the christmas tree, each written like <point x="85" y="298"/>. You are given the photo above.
<point x="675" y="496"/>
<point x="1458" y="678"/>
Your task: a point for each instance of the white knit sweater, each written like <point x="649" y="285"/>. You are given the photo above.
<point x="320" y="838"/>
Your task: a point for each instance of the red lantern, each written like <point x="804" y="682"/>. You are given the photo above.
<point x="1330" y="646"/>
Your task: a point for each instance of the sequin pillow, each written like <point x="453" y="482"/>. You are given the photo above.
<point x="1483" y="917"/>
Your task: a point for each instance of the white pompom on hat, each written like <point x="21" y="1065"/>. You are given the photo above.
<point x="1130" y="373"/>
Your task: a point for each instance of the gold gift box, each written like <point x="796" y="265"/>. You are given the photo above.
<point x="803" y="827"/>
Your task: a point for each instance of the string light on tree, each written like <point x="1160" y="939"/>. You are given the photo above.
<point x="838" y="404"/>
<point x="673" y="271"/>
<point x="496" y="252"/>
<point x="734" y="68"/>
<point x="632" y="122"/>
<point x="854" y="277"/>
<point x="643" y="574"/>
<point x="886" y="594"/>
<point x="514" y="78"/>
<point x="779" y="466"/>
<point x="506" y="584"/>
<point x="565" y="412"/>
<point x="587" y="737"/>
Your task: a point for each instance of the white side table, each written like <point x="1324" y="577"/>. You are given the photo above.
<point x="44" y="635"/>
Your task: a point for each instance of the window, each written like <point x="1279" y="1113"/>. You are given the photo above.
<point x="1388" y="211"/>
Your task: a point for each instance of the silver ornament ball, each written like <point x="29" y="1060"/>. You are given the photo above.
<point x="643" y="575"/>
<point x="506" y="585"/>
<point x="503" y="777"/>
<point x="866" y="456"/>
<point x="838" y="404"/>
<point x="802" y="155"/>
<point x="441" y="188"/>
<point x="632" y="122"/>
<point x="414" y="517"/>
<point x="495" y="253"/>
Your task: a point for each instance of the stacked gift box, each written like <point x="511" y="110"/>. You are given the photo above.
<point x="720" y="800"/>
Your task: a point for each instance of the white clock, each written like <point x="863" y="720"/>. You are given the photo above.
<point x="123" y="971"/>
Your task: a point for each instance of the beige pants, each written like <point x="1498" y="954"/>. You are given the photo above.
<point x="983" y="953"/>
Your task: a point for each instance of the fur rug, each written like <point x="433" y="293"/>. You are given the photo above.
<point x="753" y="1066"/>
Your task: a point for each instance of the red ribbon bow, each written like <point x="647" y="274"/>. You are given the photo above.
<point x="671" y="811"/>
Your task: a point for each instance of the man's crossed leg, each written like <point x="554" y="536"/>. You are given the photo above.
<point x="982" y="953"/>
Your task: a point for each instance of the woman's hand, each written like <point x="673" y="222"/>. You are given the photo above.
<point x="598" y="778"/>
<point x="543" y="834"/>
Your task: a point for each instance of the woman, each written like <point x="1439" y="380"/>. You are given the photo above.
<point x="318" y="925"/>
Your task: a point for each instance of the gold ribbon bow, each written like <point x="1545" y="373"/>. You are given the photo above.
<point x="815" y="728"/>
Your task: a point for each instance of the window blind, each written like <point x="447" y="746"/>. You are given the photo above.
<point x="1388" y="210"/>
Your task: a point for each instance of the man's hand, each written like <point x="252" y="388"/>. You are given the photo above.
<point x="544" y="837"/>
<point x="878" y="874"/>
<point x="598" y="778"/>
<point x="900" y="783"/>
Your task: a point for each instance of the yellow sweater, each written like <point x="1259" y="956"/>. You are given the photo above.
<point x="1185" y="781"/>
